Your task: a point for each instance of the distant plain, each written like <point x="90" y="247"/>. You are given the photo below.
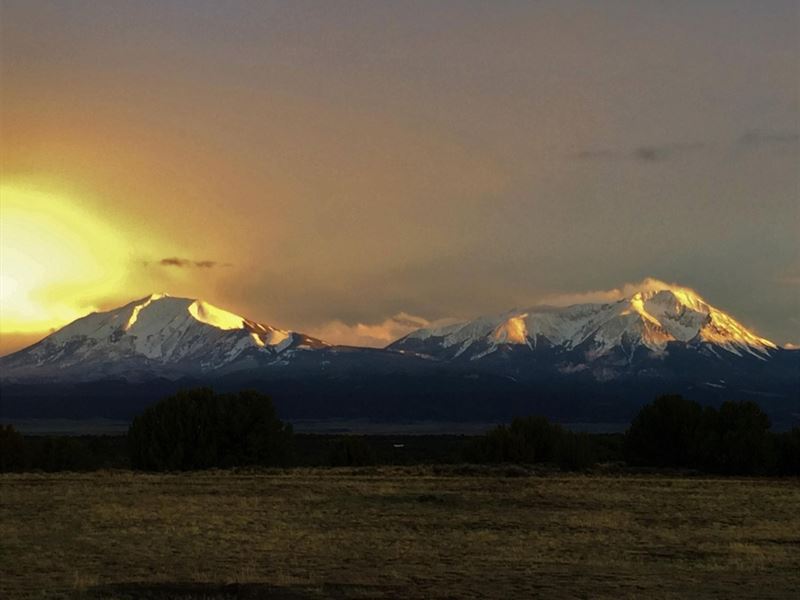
<point x="434" y="532"/>
<point x="101" y="426"/>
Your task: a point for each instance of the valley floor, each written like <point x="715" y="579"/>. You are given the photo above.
<point x="396" y="532"/>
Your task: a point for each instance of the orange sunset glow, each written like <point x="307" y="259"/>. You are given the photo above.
<point x="399" y="299"/>
<point x="53" y="254"/>
<point x="332" y="170"/>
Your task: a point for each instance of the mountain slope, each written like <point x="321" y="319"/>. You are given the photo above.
<point x="649" y="320"/>
<point x="157" y="335"/>
<point x="582" y="362"/>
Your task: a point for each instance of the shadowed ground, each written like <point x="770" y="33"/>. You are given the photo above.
<point x="389" y="532"/>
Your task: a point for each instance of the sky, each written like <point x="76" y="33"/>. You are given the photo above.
<point x="353" y="170"/>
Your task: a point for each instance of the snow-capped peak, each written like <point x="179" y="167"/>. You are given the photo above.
<point x="652" y="317"/>
<point x="164" y="330"/>
<point x="151" y="314"/>
<point x="216" y="317"/>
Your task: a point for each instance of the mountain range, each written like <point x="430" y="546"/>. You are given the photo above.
<point x="591" y="360"/>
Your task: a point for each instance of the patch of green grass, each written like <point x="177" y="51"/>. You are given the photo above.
<point x="389" y="532"/>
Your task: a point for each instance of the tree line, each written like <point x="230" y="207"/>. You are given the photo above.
<point x="733" y="439"/>
<point x="671" y="432"/>
<point x="200" y="429"/>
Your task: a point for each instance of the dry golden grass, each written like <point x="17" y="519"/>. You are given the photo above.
<point x="396" y="533"/>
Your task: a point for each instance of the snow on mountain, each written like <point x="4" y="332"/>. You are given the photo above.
<point x="164" y="336"/>
<point x="650" y="319"/>
<point x="158" y="333"/>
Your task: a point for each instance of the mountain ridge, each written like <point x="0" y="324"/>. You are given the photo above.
<point x="586" y="362"/>
<point x="173" y="337"/>
<point x="651" y="319"/>
<point x="182" y="335"/>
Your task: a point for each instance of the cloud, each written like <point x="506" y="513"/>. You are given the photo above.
<point x="185" y="263"/>
<point x="646" y="153"/>
<point x="374" y="335"/>
<point x="383" y="333"/>
<point x="649" y="284"/>
<point x="651" y="153"/>
<point x="788" y="279"/>
<point x="598" y="154"/>
<point x="754" y="138"/>
<point x="664" y="151"/>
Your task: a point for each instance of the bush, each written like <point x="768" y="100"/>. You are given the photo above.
<point x="740" y="441"/>
<point x="674" y="432"/>
<point x="666" y="433"/>
<point x="198" y="429"/>
<point x="12" y="449"/>
<point x="533" y="440"/>
<point x="60" y="454"/>
<point x="351" y="451"/>
<point x="787" y="450"/>
<point x="537" y="438"/>
<point x="576" y="451"/>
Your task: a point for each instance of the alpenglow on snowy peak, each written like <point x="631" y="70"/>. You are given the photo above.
<point x="159" y="333"/>
<point x="586" y="361"/>
<point x="657" y="331"/>
<point x="650" y="319"/>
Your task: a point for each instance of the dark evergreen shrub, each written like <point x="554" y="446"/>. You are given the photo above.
<point x="198" y="429"/>
<point x="60" y="454"/>
<point x="740" y="441"/>
<point x="536" y="439"/>
<point x="674" y="432"/>
<point x="351" y="451"/>
<point x="12" y="449"/>
<point x="787" y="450"/>
<point x="530" y="440"/>
<point x="667" y="433"/>
<point x="576" y="451"/>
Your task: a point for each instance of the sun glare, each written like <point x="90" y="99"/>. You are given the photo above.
<point x="54" y="258"/>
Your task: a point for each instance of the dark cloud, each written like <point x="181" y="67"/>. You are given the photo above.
<point x="597" y="154"/>
<point x="651" y="153"/>
<point x="665" y="151"/>
<point x="760" y="138"/>
<point x="205" y="264"/>
<point x="185" y="263"/>
<point x="646" y="153"/>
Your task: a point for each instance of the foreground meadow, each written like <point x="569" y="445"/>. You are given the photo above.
<point x="396" y="532"/>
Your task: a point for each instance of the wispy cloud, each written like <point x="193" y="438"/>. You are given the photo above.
<point x="647" y="153"/>
<point x="374" y="335"/>
<point x="624" y="291"/>
<point x="791" y="279"/>
<point x="762" y="138"/>
<point x="665" y="151"/>
<point x="186" y="263"/>
<point x="651" y="153"/>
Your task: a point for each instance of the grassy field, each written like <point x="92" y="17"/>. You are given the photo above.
<point x="396" y="532"/>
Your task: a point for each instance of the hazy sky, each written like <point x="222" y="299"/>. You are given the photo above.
<point x="317" y="165"/>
